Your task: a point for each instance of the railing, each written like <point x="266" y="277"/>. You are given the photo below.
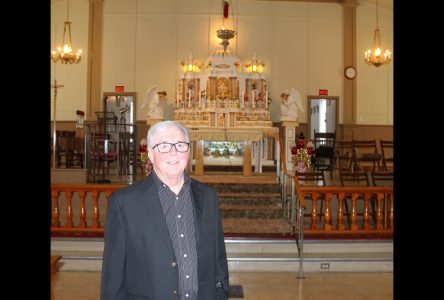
<point x="329" y="222"/>
<point x="81" y="209"/>
<point x="83" y="205"/>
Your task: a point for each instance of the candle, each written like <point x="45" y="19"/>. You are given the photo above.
<point x="266" y="99"/>
<point x="200" y="98"/>
<point x="177" y="99"/>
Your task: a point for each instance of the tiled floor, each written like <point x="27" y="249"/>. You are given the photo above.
<point x="260" y="286"/>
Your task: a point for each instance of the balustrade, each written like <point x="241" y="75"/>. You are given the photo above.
<point x="80" y="208"/>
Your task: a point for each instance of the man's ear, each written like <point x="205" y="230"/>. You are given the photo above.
<point x="150" y="154"/>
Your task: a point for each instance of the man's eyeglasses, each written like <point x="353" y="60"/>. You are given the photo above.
<point x="166" y="147"/>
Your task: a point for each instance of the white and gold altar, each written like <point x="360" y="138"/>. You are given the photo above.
<point x="226" y="108"/>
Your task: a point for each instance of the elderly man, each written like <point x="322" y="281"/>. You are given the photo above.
<point x="163" y="234"/>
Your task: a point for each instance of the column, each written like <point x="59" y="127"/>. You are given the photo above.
<point x="289" y="140"/>
<point x="199" y="165"/>
<point x="350" y="86"/>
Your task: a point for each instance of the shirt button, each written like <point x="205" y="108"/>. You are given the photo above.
<point x="173" y="264"/>
<point x="186" y="295"/>
<point x="188" y="276"/>
<point x="174" y="292"/>
<point x="185" y="255"/>
<point x="179" y="216"/>
<point x="177" y="198"/>
<point x="181" y="235"/>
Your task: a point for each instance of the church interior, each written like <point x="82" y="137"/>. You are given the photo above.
<point x="263" y="87"/>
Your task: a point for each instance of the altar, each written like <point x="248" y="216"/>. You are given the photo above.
<point x="226" y="109"/>
<point x="249" y="146"/>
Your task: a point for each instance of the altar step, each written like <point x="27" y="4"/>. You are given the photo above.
<point x="252" y="201"/>
<point x="252" y="255"/>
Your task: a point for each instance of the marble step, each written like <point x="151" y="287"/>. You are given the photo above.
<point x="257" y="255"/>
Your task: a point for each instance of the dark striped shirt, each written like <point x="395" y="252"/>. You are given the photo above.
<point x="179" y="217"/>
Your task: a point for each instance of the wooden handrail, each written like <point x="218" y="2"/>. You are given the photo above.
<point x="81" y="208"/>
<point x="282" y="153"/>
<point x="384" y="200"/>
<point x="88" y="195"/>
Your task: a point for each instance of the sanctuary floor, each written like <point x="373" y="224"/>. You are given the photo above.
<point x="259" y="286"/>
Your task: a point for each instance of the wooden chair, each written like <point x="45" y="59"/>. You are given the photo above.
<point x="127" y="153"/>
<point x="387" y="153"/>
<point x="323" y="157"/>
<point x="344" y="154"/>
<point x="365" y="152"/>
<point x="65" y="148"/>
<point x="315" y="178"/>
<point x="357" y="178"/>
<point x="103" y="152"/>
<point x="383" y="179"/>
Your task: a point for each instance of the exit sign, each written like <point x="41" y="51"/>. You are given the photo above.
<point x="323" y="92"/>
<point x="119" y="88"/>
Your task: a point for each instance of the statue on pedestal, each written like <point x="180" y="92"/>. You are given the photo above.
<point x="291" y="103"/>
<point x="155" y="100"/>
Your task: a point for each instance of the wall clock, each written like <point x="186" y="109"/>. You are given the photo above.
<point x="350" y="72"/>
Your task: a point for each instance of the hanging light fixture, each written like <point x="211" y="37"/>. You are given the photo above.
<point x="225" y="34"/>
<point x="65" y="54"/>
<point x="375" y="56"/>
<point x="255" y="66"/>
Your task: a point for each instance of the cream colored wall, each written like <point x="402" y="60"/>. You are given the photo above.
<point x="145" y="41"/>
<point x="72" y="96"/>
<point x="144" y="44"/>
<point x="374" y="84"/>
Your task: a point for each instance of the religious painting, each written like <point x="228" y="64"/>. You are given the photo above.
<point x="223" y="88"/>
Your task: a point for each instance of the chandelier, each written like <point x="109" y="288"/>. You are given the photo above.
<point x="255" y="66"/>
<point x="225" y="34"/>
<point x="65" y="54"/>
<point x="375" y="56"/>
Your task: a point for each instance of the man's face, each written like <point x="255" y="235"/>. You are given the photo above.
<point x="173" y="163"/>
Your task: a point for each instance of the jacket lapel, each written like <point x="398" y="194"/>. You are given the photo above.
<point x="151" y="203"/>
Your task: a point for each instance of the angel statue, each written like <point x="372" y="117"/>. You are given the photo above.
<point x="155" y="100"/>
<point x="291" y="103"/>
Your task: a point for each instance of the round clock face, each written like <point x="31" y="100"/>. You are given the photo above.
<point x="350" y="72"/>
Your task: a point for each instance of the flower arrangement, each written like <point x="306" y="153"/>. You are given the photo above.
<point x="143" y="150"/>
<point x="301" y="155"/>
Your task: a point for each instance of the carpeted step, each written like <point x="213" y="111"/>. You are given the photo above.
<point x="249" y="199"/>
<point x="253" y="212"/>
<point x="246" y="188"/>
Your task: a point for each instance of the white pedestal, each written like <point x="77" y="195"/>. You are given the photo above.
<point x="289" y="140"/>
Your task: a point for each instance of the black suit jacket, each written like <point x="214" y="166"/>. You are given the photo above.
<point x="139" y="259"/>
